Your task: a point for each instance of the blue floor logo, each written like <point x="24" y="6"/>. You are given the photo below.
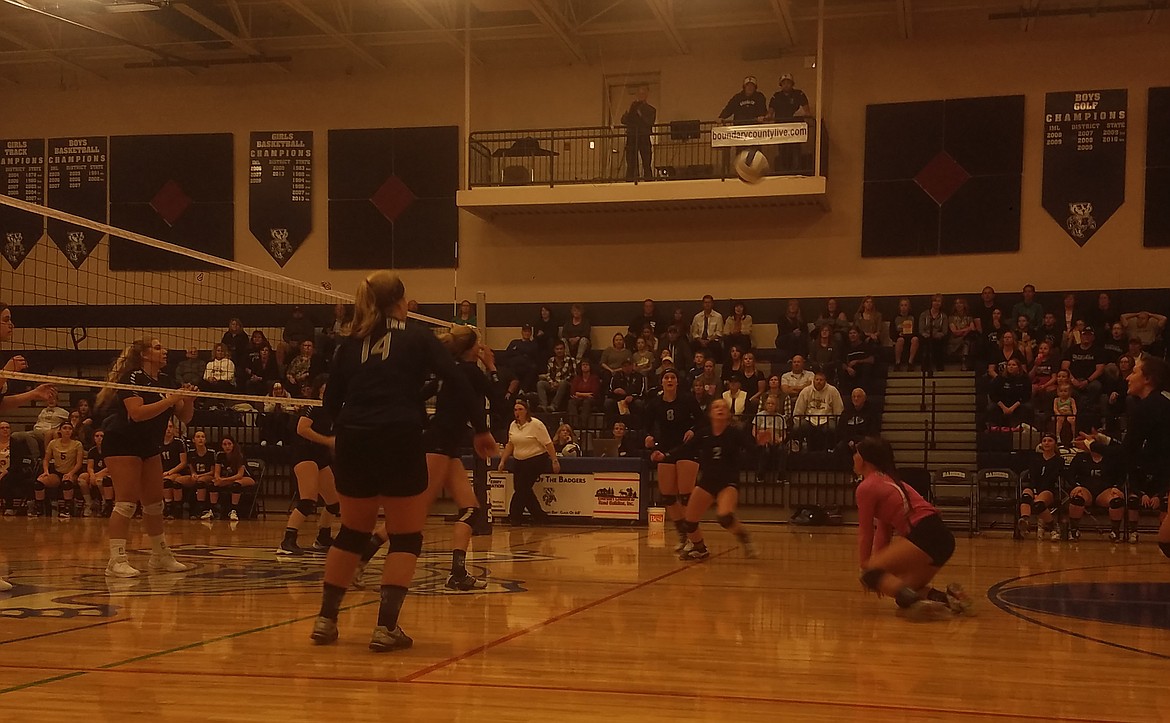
<point x="53" y="590"/>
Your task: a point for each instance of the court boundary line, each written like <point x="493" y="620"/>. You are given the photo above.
<point x="434" y="667"/>
<point x="1010" y="608"/>
<point x="62" y="632"/>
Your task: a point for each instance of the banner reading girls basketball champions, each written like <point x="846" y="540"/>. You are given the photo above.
<point x="280" y="191"/>
<point x="1084" y="159"/>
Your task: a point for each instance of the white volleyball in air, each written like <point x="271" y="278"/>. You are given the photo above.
<point x="752" y="165"/>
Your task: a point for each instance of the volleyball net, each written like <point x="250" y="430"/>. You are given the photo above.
<point x="75" y="308"/>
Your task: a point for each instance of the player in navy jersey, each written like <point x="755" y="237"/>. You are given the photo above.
<point x="313" y="450"/>
<point x="174" y="463"/>
<point x="97" y="479"/>
<point x="722" y="450"/>
<point x="1146" y="447"/>
<point x="230" y="474"/>
<point x="1095" y="483"/>
<point x="135" y="423"/>
<point x="673" y="419"/>
<point x="1041" y="490"/>
<point x="379" y="460"/>
<point x="201" y="462"/>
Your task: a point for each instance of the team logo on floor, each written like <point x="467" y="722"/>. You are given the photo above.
<point x="53" y="590"/>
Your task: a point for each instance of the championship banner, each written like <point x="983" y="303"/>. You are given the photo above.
<point x="1084" y="159"/>
<point x="78" y="174"/>
<point x="280" y="191"/>
<point x="22" y="175"/>
<point x="767" y="134"/>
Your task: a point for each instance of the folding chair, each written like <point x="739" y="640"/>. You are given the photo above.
<point x="957" y="499"/>
<point x="999" y="492"/>
<point x="256" y="468"/>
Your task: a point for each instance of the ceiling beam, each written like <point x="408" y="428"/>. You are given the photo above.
<point x="326" y="27"/>
<point x="237" y="16"/>
<point x="553" y="22"/>
<point x="450" y="37"/>
<point x="782" y="11"/>
<point x="905" y="13"/>
<point x="664" y="11"/>
<point x="57" y="57"/>
<point x="221" y="31"/>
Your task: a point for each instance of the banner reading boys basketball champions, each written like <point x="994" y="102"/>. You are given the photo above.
<point x="1084" y="159"/>
<point x="280" y="191"/>
<point x="77" y="171"/>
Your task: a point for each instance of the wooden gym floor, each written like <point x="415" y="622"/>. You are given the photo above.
<point x="581" y="624"/>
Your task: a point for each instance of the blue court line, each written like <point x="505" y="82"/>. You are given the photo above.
<point x="62" y="632"/>
<point x="993" y="597"/>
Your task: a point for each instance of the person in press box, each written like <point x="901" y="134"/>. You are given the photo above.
<point x="787" y="105"/>
<point x="639" y="122"/>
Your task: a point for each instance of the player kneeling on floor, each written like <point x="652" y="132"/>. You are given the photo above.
<point x="901" y="567"/>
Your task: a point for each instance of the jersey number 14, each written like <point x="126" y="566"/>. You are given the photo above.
<point x="380" y="348"/>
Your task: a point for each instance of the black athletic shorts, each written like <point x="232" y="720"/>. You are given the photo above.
<point x="446" y="441"/>
<point x="380" y="461"/>
<point x="1097" y="490"/>
<point x="315" y="453"/>
<point x="931" y="535"/>
<point x="686" y="455"/>
<point x="119" y="445"/>
<point x="715" y="485"/>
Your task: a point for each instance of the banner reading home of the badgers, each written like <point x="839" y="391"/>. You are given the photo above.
<point x="280" y="191"/>
<point x="600" y="496"/>
<point x="1084" y="159"/>
<point x="766" y="134"/>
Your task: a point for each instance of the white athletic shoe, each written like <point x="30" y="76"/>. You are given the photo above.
<point x="684" y="547"/>
<point x="1133" y="538"/>
<point x="750" y="550"/>
<point x="207" y="515"/>
<point x="1054" y="534"/>
<point x="5" y="586"/>
<point x="234" y="516"/>
<point x="357" y="583"/>
<point x="166" y="562"/>
<point x="120" y="567"/>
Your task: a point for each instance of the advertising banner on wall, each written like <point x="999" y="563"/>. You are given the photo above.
<point x="1084" y="159"/>
<point x="600" y="496"/>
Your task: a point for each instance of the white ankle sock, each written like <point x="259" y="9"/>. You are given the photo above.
<point x="158" y="543"/>
<point x="117" y="549"/>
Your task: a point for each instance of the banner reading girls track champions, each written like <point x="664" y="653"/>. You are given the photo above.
<point x="1084" y="159"/>
<point x="22" y="175"/>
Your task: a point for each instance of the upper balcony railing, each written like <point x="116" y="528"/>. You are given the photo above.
<point x="681" y="150"/>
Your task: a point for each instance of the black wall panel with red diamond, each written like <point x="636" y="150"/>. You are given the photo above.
<point x="176" y="188"/>
<point x="392" y="197"/>
<point x="943" y="177"/>
<point x="1157" y="221"/>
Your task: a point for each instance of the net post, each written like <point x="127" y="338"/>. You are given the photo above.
<point x="479" y="466"/>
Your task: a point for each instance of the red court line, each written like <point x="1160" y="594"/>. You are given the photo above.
<point x="549" y="621"/>
<point x="932" y="711"/>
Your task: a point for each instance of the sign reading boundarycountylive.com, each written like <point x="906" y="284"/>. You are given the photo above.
<point x="767" y="134"/>
<point x="1084" y="159"/>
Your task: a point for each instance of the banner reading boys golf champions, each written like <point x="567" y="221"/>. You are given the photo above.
<point x="1084" y="159"/>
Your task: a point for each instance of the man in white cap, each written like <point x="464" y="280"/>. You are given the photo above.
<point x="747" y="106"/>
<point x="788" y="104"/>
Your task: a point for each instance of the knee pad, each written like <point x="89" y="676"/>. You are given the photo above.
<point x="307" y="507"/>
<point x="465" y="514"/>
<point x="668" y="500"/>
<point x="154" y="508"/>
<point x="39" y="486"/>
<point x="871" y="578"/>
<point x="351" y="540"/>
<point x="126" y="509"/>
<point x="67" y="485"/>
<point x="1133" y="502"/>
<point x="237" y="488"/>
<point x="1027" y="499"/>
<point x="409" y="543"/>
<point x="1165" y="548"/>
<point x="726" y="521"/>
<point x="334" y="509"/>
<point x="1039" y="506"/>
<point x="1117" y="503"/>
<point x="107" y="482"/>
<point x="1076" y="501"/>
<point x="685" y="499"/>
<point x="690" y="527"/>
